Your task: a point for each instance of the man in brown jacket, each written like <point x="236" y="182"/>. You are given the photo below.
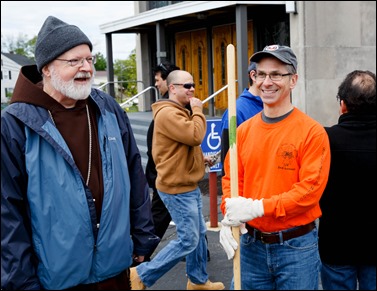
<point x="180" y="165"/>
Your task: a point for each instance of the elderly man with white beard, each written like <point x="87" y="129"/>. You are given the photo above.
<point x="75" y="207"/>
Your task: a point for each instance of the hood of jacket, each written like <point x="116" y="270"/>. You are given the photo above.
<point x="30" y="81"/>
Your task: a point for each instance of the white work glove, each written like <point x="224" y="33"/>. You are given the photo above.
<point x="227" y="240"/>
<point x="241" y="209"/>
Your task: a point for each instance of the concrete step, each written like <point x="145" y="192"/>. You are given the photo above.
<point x="140" y="122"/>
<point x="141" y="138"/>
<point x="140" y="128"/>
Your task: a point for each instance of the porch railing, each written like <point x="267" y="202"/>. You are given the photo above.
<point x="156" y="92"/>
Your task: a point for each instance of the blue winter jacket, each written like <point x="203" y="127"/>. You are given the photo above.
<point x="247" y="105"/>
<point x="49" y="235"/>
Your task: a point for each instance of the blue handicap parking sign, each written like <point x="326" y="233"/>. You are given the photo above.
<point x="212" y="141"/>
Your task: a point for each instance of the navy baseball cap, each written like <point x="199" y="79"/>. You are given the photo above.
<point x="252" y="67"/>
<point x="283" y="53"/>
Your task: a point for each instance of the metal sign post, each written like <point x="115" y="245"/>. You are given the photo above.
<point x="211" y="145"/>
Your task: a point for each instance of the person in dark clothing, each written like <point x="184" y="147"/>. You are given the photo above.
<point x="347" y="228"/>
<point x="75" y="205"/>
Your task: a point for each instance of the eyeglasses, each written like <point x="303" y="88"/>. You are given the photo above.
<point x="273" y="76"/>
<point x="79" y="62"/>
<point x="187" y="85"/>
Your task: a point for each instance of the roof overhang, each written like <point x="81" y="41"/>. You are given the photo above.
<point x="139" y="22"/>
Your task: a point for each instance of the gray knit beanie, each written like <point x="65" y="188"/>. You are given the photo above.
<point x="55" y="38"/>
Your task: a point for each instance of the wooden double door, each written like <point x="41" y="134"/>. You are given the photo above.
<point x="191" y="51"/>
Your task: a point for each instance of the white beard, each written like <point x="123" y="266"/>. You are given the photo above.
<point x="69" y="88"/>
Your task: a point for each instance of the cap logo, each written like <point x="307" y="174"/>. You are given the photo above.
<point x="271" y="48"/>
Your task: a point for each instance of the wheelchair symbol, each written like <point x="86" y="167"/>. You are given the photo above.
<point x="213" y="138"/>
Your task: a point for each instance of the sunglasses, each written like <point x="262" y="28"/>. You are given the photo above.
<point x="187" y="85"/>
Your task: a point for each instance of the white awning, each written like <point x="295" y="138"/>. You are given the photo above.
<point x="150" y="17"/>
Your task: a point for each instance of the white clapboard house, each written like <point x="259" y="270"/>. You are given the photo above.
<point x="10" y="67"/>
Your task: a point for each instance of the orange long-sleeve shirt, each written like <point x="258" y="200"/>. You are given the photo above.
<point x="285" y="163"/>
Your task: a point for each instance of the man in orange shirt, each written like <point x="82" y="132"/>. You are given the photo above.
<point x="283" y="165"/>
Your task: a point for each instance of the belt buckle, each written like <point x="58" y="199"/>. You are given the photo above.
<point x="261" y="236"/>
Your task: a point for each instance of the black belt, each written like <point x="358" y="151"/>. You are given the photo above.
<point x="274" y="237"/>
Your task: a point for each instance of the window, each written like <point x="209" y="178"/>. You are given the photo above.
<point x="159" y="4"/>
<point x="223" y="68"/>
<point x="9" y="92"/>
<point x="200" y="65"/>
<point x="183" y="56"/>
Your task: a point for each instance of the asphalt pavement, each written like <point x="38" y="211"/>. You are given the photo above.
<point x="219" y="268"/>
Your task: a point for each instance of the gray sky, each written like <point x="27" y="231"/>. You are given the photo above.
<point x="27" y="17"/>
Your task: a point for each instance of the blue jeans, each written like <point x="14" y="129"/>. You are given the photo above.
<point x="186" y="212"/>
<point x="291" y="265"/>
<point x="346" y="277"/>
